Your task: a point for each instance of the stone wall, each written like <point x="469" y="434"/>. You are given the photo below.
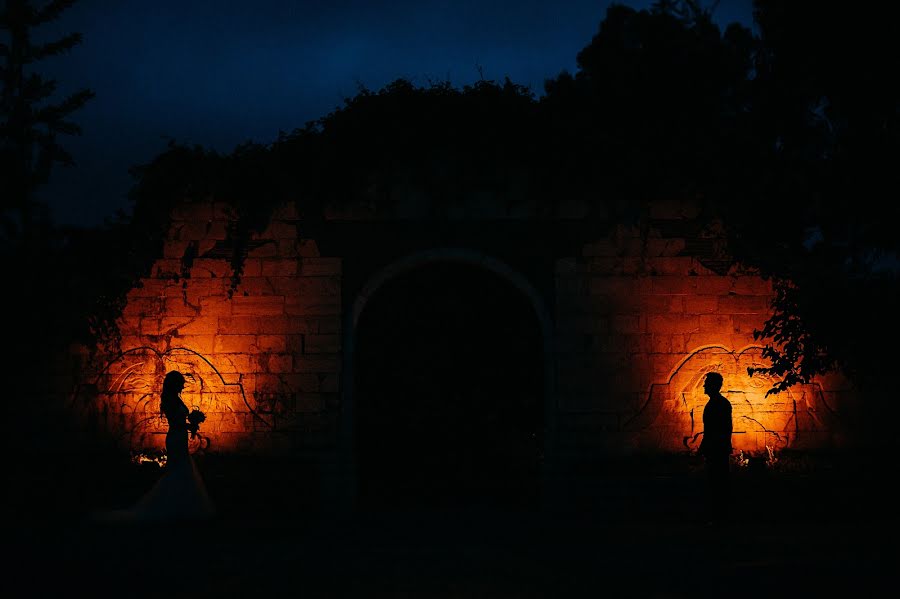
<point x="263" y="359"/>
<point x="640" y="316"/>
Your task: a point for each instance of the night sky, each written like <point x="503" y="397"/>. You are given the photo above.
<point x="218" y="73"/>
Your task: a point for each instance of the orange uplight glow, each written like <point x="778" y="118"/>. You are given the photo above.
<point x="128" y="395"/>
<point x="763" y="425"/>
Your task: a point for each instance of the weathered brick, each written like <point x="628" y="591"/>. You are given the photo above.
<point x="308" y="248"/>
<point x="316" y="267"/>
<point x="149" y="288"/>
<point x="278" y="363"/>
<point x="271" y="343"/>
<point x="279" y="268"/>
<point x="284" y="325"/>
<point x="328" y="324"/>
<point x="167" y="268"/>
<point x="238" y="325"/>
<point x="210" y="267"/>
<point x="252" y="268"/>
<point x="672" y="324"/>
<point x="601" y="247"/>
<point x="175" y="249"/>
<point x="667" y="344"/>
<point x="176" y="306"/>
<point x="235" y="344"/>
<point x="716" y="323"/>
<point x="322" y="344"/>
<point x="628" y="323"/>
<point x="664" y="247"/>
<point x="312" y="306"/>
<point x="266" y="250"/>
<point x="203" y="344"/>
<point x="205" y="325"/>
<point x="193" y="230"/>
<point x="660" y="304"/>
<point x="673" y="285"/>
<point x="714" y="285"/>
<point x="255" y="286"/>
<point x="143" y="306"/>
<point x="288" y="248"/>
<point x="257" y="305"/>
<point x="194" y="211"/>
<point x="701" y="304"/>
<point x="743" y="304"/>
<point x="676" y="265"/>
<point x="215" y="306"/>
<point x="745" y="323"/>
<point x="673" y="209"/>
<point x="279" y="230"/>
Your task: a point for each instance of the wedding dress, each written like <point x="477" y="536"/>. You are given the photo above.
<point x="180" y="493"/>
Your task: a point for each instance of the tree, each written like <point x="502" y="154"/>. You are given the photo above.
<point x="821" y="216"/>
<point x="31" y="124"/>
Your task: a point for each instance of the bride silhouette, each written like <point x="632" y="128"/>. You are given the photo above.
<point x="180" y="493"/>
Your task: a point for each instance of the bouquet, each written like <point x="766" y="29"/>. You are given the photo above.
<point x="194" y="420"/>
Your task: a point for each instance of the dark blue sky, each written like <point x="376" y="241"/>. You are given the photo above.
<point x="217" y="72"/>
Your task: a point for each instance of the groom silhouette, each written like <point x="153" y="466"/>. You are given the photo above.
<point x="716" y="446"/>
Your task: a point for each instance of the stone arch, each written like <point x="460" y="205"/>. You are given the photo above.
<point x="407" y="264"/>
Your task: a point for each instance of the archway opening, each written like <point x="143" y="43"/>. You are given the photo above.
<point x="448" y="391"/>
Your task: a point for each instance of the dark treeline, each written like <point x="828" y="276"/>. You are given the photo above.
<point x="789" y="135"/>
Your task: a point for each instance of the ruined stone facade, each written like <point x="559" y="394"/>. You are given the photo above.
<point x="630" y="322"/>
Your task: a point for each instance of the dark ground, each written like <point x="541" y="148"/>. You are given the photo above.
<point x="635" y="528"/>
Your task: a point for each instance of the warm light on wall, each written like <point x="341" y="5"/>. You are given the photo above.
<point x="797" y="417"/>
<point x="128" y="391"/>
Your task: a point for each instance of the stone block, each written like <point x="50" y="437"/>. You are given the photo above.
<point x="673" y="209"/>
<point x="143" y="307"/>
<point x="316" y="267"/>
<point x="322" y="344"/>
<point x="328" y="324"/>
<point x="255" y="286"/>
<point x="660" y="304"/>
<point x="210" y="267"/>
<point x="252" y="268"/>
<point x="308" y="248"/>
<point x="149" y="288"/>
<point x="312" y="306"/>
<point x="279" y="268"/>
<point x="166" y="268"/>
<point x="656" y="246"/>
<point x="674" y="265"/>
<point x="215" y="306"/>
<point x="266" y="305"/>
<point x="286" y="325"/>
<point x="235" y="344"/>
<point x="743" y="304"/>
<point x="628" y="323"/>
<point x="202" y="344"/>
<point x="279" y="363"/>
<point x="238" y="325"/>
<point x="673" y="285"/>
<point x="176" y="306"/>
<point x="271" y="343"/>
<point x="175" y="249"/>
<point x="672" y="324"/>
<point x="701" y="304"/>
<point x="714" y="285"/>
<point x="266" y="250"/>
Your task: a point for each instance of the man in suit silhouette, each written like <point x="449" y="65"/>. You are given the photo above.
<point x="716" y="446"/>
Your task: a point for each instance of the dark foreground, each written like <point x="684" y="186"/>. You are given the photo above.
<point x="630" y="529"/>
